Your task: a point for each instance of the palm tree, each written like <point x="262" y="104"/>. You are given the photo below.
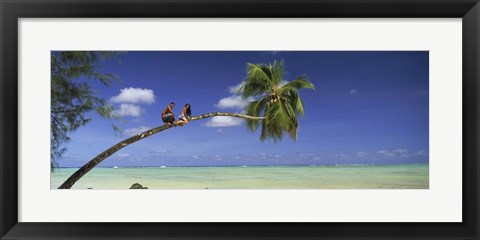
<point x="279" y="100"/>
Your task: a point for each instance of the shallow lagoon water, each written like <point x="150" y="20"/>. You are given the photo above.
<point x="401" y="176"/>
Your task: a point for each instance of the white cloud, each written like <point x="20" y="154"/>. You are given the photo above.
<point x="421" y="153"/>
<point x="159" y="153"/>
<point x="233" y="101"/>
<point x="123" y="155"/>
<point x="400" y="151"/>
<point x="223" y="122"/>
<point x="386" y="153"/>
<point x="219" y="130"/>
<point x="129" y="110"/>
<point x="234" y="89"/>
<point x="394" y="153"/>
<point x="196" y="157"/>
<point x="362" y="154"/>
<point x="134" y="95"/>
<point x="353" y="91"/>
<point x="135" y="131"/>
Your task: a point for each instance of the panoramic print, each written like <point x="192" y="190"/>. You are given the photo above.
<point x="214" y="120"/>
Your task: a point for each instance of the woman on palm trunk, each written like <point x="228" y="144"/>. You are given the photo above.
<point x="185" y="115"/>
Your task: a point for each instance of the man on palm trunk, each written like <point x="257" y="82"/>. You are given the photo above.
<point x="168" y="116"/>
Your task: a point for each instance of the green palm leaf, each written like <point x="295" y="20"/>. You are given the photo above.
<point x="298" y="83"/>
<point x="254" y="109"/>
<point x="258" y="81"/>
<point x="295" y="101"/>
<point x="277" y="72"/>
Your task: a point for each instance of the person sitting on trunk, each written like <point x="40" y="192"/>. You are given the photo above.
<point x="167" y="115"/>
<point x="185" y="115"/>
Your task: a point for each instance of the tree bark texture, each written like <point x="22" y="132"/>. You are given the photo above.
<point x="102" y="156"/>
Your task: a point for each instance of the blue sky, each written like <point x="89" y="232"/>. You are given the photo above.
<point x="368" y="108"/>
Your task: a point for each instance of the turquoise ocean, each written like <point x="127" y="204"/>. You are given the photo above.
<point x="401" y="176"/>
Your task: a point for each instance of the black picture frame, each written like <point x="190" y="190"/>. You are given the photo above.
<point x="11" y="11"/>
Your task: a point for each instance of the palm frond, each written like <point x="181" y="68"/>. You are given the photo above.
<point x="273" y="124"/>
<point x="298" y="83"/>
<point x="252" y="89"/>
<point x="292" y="127"/>
<point x="264" y="70"/>
<point x="278" y="69"/>
<point x="257" y="82"/>
<point x="280" y="119"/>
<point x="261" y="72"/>
<point x="295" y="101"/>
<point x="254" y="109"/>
<point x="290" y="91"/>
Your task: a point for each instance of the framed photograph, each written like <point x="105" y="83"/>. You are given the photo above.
<point x="249" y="120"/>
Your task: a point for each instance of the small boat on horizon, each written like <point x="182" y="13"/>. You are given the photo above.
<point x="115" y="167"/>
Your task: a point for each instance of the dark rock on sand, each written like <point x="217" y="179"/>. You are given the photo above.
<point x="137" y="186"/>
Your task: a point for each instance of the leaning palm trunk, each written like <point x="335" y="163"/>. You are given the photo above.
<point x="100" y="157"/>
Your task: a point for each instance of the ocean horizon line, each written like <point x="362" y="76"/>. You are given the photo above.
<point x="303" y="165"/>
